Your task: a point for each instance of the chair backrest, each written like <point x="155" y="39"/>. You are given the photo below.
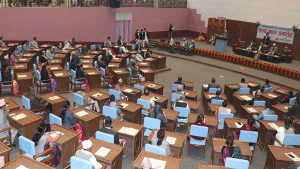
<point x="78" y="99"/>
<point x="236" y="163"/>
<point x="140" y="87"/>
<point x="34" y="66"/>
<point x="259" y="103"/>
<point x="95" y="64"/>
<point x="174" y="87"/>
<point x="200" y="131"/>
<point x="248" y="136"/>
<point x="105" y="137"/>
<point x="53" y="119"/>
<point x="110" y="111"/>
<point x="151" y="123"/>
<point x="273" y="117"/>
<point x="155" y="149"/>
<point x="116" y="93"/>
<point x="292" y="101"/>
<point x="93" y="47"/>
<point x="68" y="66"/>
<point x="37" y="60"/>
<point x="26" y="102"/>
<point x="175" y="96"/>
<point x="0" y="77"/>
<point x="38" y="75"/>
<point x="27" y="145"/>
<point x="291" y="140"/>
<point x="216" y="101"/>
<point x="99" y="58"/>
<point x="145" y="103"/>
<point x="133" y="46"/>
<point x="73" y="74"/>
<point x="127" y="61"/>
<point x="222" y="116"/>
<point x="213" y="90"/>
<point x="183" y="112"/>
<point x="245" y="90"/>
<point x="268" y="89"/>
<point x="102" y="71"/>
<point x="78" y="163"/>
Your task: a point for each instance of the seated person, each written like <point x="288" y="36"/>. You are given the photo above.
<point x="281" y="131"/>
<point x="251" y="45"/>
<point x="286" y="99"/>
<point x="223" y="109"/>
<point x="285" y="53"/>
<point x="172" y="46"/>
<point x="152" y="99"/>
<point x="36" y="103"/>
<point x="45" y="72"/>
<point x="159" y="141"/>
<point x="183" y="45"/>
<point x="110" y="55"/>
<point x="2" y="44"/>
<point x="158" y="113"/>
<point x="25" y="47"/>
<point x="34" y="43"/>
<point x="273" y="50"/>
<point x="132" y="60"/>
<point x="134" y="69"/>
<point x="85" y="154"/>
<point x="213" y="84"/>
<point x="6" y="75"/>
<point x="295" y="109"/>
<point x="259" y="117"/>
<point x="181" y="103"/>
<point x="190" y="47"/>
<point x="199" y="122"/>
<point x="73" y="42"/>
<point x="91" y="103"/>
<point x="3" y="118"/>
<point x="266" y="85"/>
<point x="227" y="150"/>
<point x="66" y="116"/>
<point x="101" y="63"/>
<point x="107" y="43"/>
<point x="248" y="127"/>
<point x="257" y="95"/>
<point x="179" y="81"/>
<point x="139" y="57"/>
<point x="242" y="84"/>
<point x="217" y="96"/>
<point x="80" y="74"/>
<point x="108" y="129"/>
<point x="112" y="103"/>
<point x="118" y="87"/>
<point x="67" y="45"/>
<point x="148" y="54"/>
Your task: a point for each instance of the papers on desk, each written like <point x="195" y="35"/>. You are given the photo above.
<point x="118" y="71"/>
<point x="185" y="93"/>
<point x="22" y="59"/>
<point x="19" y="116"/>
<point x="238" y="124"/>
<point x="247" y="98"/>
<point x="127" y="90"/>
<point x="151" y="85"/>
<point x="54" y="68"/>
<point x="210" y="96"/>
<point x="128" y="131"/>
<point x="251" y="84"/>
<point x="157" y="164"/>
<point x="273" y="125"/>
<point x="228" y="110"/>
<point x="171" y="140"/>
<point x="19" y="66"/>
<point x="58" y="74"/>
<point x="54" y="98"/>
<point x="22" y="76"/>
<point x="252" y="110"/>
<point x="55" y="134"/>
<point x="143" y="63"/>
<point x="155" y="98"/>
<point x="27" y="54"/>
<point x="272" y="95"/>
<point x="145" y="71"/>
<point x="85" y="61"/>
<point x="292" y="156"/>
<point x="102" y="152"/>
<point x="123" y="105"/>
<point x="22" y="167"/>
<point x="205" y="85"/>
<point x="97" y="95"/>
<point x="81" y="113"/>
<point x="85" y="66"/>
<point x="92" y="73"/>
<point x="286" y="107"/>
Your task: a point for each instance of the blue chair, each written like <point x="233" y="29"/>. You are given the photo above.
<point x="76" y="81"/>
<point x="116" y="93"/>
<point x="292" y="101"/>
<point x="175" y="96"/>
<point x="96" y="64"/>
<point x="53" y="119"/>
<point x="156" y="150"/>
<point x="199" y="131"/>
<point x="245" y="90"/>
<point x="140" y="87"/>
<point x="216" y="101"/>
<point x="291" y="140"/>
<point x="151" y="124"/>
<point x="248" y="136"/>
<point x="41" y="83"/>
<point x="99" y="58"/>
<point x="105" y="137"/>
<point x="146" y="106"/>
<point x="183" y="115"/>
<point x="268" y="89"/>
<point x="28" y="147"/>
<point x="174" y="87"/>
<point x="236" y="163"/>
<point x="68" y="67"/>
<point x="27" y="105"/>
<point x="78" y="100"/>
<point x="133" y="46"/>
<point x="213" y="90"/>
<point x="110" y="111"/>
<point x="221" y="118"/>
<point x="93" y="47"/>
<point x="78" y="163"/>
<point x="273" y="117"/>
<point x="259" y="103"/>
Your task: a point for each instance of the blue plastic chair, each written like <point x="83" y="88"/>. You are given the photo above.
<point x="291" y="140"/>
<point x="248" y="136"/>
<point x="151" y="124"/>
<point x="78" y="100"/>
<point x="93" y="47"/>
<point x="245" y="90"/>
<point x="116" y="93"/>
<point x="78" y="163"/>
<point x="175" y="96"/>
<point x="221" y="118"/>
<point x="292" y="101"/>
<point x="216" y="101"/>
<point x="110" y="111"/>
<point x="268" y="89"/>
<point x="53" y="119"/>
<point x="273" y="117"/>
<point x="183" y="114"/>
<point x="27" y="105"/>
<point x="199" y="131"/>
<point x="28" y="147"/>
<point x="140" y="87"/>
<point x="105" y="137"/>
<point x="213" y="90"/>
<point x="174" y="87"/>
<point x="236" y="163"/>
<point x="259" y="103"/>
<point x="146" y="106"/>
<point x="156" y="150"/>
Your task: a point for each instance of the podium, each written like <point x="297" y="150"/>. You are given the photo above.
<point x="221" y="44"/>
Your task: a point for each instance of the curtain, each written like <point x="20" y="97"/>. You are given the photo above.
<point x="123" y="29"/>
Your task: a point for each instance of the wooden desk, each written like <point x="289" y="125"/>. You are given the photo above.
<point x="207" y="166"/>
<point x="190" y="95"/>
<point x="133" y="142"/>
<point x="57" y="102"/>
<point x="120" y="73"/>
<point x="99" y="95"/>
<point x="282" y="92"/>
<point x="20" y="67"/>
<point x="230" y="127"/>
<point x="62" y="78"/>
<point x="24" y="81"/>
<point x="171" y="115"/>
<point x="207" y="97"/>
<point x="276" y="159"/>
<point x="179" y="143"/>
<point x="152" y="63"/>
<point x="188" y="85"/>
<point x="132" y="93"/>
<point x="133" y="112"/>
<point x="45" y="46"/>
<point x="62" y="56"/>
<point x="26" y="162"/>
<point x="87" y="61"/>
<point x="171" y="162"/>
<point x="120" y="61"/>
<point x="218" y="143"/>
<point x="212" y="108"/>
<point x="87" y="67"/>
<point x="124" y="56"/>
<point x="266" y="133"/>
<point x="248" y="112"/>
<point x="153" y="87"/>
<point x="29" y="55"/>
<point x="281" y="110"/>
<point x="270" y="97"/>
<point x="67" y="143"/>
<point x="253" y="85"/>
<point x="113" y="65"/>
<point x="55" y="67"/>
<point x="113" y="158"/>
<point x="193" y="105"/>
<point x="239" y="100"/>
<point x="56" y="62"/>
<point x="147" y="73"/>
<point x="144" y="64"/>
<point x="11" y="104"/>
<point x="26" y="126"/>
<point x="37" y="50"/>
<point x="4" y="151"/>
<point x="93" y="57"/>
<point x="161" y="100"/>
<point x="229" y="90"/>
<point x="94" y="78"/>
<point x="161" y="61"/>
<point x="297" y="127"/>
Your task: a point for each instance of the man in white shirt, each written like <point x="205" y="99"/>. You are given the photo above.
<point x="146" y="34"/>
<point x="282" y="131"/>
<point x="267" y="111"/>
<point x="139" y="57"/>
<point x="67" y="45"/>
<point x="34" y="43"/>
<point x="107" y="43"/>
<point x="85" y="154"/>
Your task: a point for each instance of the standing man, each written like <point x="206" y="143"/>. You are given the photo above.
<point x="146" y="34"/>
<point x="266" y="39"/>
<point x="142" y="38"/>
<point x="137" y="35"/>
<point x="171" y="30"/>
<point x="107" y="43"/>
<point x="120" y="42"/>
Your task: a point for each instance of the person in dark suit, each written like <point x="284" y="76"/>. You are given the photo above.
<point x="108" y="129"/>
<point x="142" y="38"/>
<point x="213" y="84"/>
<point x="120" y="41"/>
<point x="146" y="39"/>
<point x="266" y="39"/>
<point x="171" y="30"/>
<point x="137" y="35"/>
<point x="73" y="42"/>
<point x="217" y="96"/>
<point x="295" y="109"/>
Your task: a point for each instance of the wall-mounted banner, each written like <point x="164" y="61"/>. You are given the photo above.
<point x="276" y="33"/>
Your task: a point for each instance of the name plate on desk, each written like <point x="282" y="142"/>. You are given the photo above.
<point x="292" y="156"/>
<point x="272" y="95"/>
<point x="252" y="110"/>
<point x="97" y="95"/>
<point x="247" y="98"/>
<point x="19" y="116"/>
<point x="59" y="74"/>
<point x="238" y="124"/>
<point x="123" y="105"/>
<point x="171" y="140"/>
<point x="22" y="76"/>
<point x="127" y="90"/>
<point x="151" y="85"/>
<point x="102" y="152"/>
<point x="54" y="98"/>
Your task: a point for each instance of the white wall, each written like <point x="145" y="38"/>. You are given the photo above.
<point x="275" y="12"/>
